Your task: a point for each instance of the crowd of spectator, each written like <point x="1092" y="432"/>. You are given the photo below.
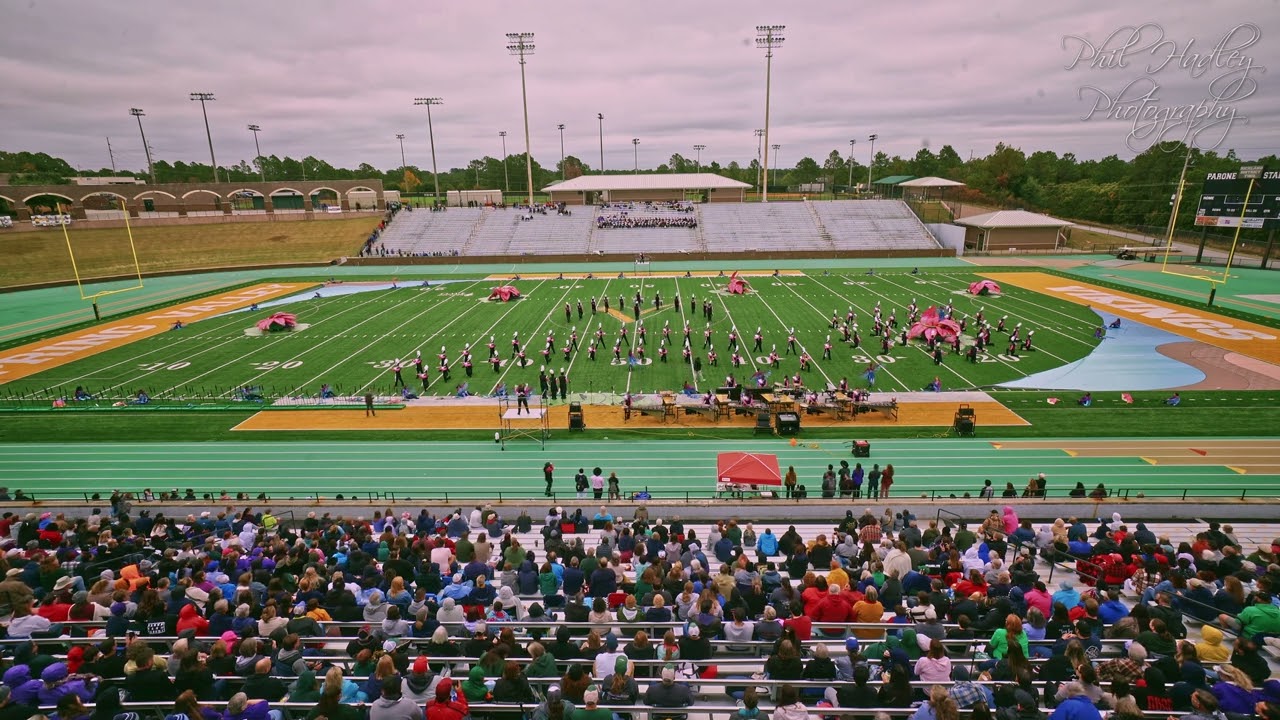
<point x="577" y="610"/>
<point x="673" y="213"/>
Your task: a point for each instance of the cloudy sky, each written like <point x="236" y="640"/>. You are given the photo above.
<point x="337" y="79"/>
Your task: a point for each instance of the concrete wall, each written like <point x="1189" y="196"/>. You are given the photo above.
<point x="949" y="236"/>
<point x="642" y="195"/>
<point x="728" y="195"/>
<point x="569" y="197"/>
<point x="1022" y="238"/>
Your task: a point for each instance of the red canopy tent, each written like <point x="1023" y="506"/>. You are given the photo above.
<point x="741" y="471"/>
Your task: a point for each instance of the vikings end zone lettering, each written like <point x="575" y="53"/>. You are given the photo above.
<point x="37" y="357"/>
<point x="1238" y="336"/>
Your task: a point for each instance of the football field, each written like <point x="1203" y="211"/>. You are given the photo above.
<point x="353" y="340"/>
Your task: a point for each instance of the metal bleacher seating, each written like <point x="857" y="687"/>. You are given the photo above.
<point x="873" y="225"/>
<point x="423" y="232"/>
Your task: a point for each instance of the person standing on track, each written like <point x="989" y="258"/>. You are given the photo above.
<point x="548" y="471"/>
<point x="368" y="406"/>
<point x="873" y="482"/>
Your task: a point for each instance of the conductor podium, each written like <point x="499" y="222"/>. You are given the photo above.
<point x="517" y="422"/>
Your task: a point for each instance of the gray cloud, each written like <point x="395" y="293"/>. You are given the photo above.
<point x="337" y="79"/>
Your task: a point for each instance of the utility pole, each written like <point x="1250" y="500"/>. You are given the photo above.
<point x="262" y="170"/>
<point x="871" y="163"/>
<point x="600" y="117"/>
<point x="635" y="147"/>
<point x="151" y="170"/>
<point x="776" y="148"/>
<point x="851" y="144"/>
<point x="768" y="37"/>
<point x="204" y="97"/>
<point x="699" y="148"/>
<point x="759" y="150"/>
<point x="521" y="44"/>
<point x="111" y="155"/>
<point x="561" y="128"/>
<point x="432" y="136"/>
<point x="506" y="179"/>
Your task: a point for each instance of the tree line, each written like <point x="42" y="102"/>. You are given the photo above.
<point x="1110" y="190"/>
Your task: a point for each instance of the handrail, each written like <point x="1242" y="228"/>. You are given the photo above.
<point x="292" y="709"/>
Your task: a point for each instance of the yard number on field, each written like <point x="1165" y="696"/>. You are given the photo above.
<point x="152" y="367"/>
<point x="274" y="364"/>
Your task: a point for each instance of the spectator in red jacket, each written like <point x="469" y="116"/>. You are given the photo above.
<point x="447" y="705"/>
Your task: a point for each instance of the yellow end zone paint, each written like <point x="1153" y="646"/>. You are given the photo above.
<point x="1235" y="469"/>
<point x="1240" y="336"/>
<point x="36" y="357"/>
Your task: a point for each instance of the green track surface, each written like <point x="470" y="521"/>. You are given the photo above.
<point x="481" y="469"/>
<point x="354" y="339"/>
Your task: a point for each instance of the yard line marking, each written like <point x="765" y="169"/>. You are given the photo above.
<point x="587" y="337"/>
<point x="232" y="321"/>
<point x="867" y="351"/>
<point x="321" y="343"/>
<point x="537" y="330"/>
<point x="803" y="349"/>
<point x="951" y="369"/>
<point x="684" y="320"/>
<point x="440" y="331"/>
<point x="1040" y="325"/>
<point x="378" y="338"/>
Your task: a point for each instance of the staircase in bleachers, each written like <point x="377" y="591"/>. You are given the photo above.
<point x="822" y="229"/>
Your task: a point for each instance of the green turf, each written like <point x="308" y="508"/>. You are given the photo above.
<point x="352" y="340"/>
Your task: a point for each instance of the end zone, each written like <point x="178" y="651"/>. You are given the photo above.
<point x="1239" y="336"/>
<point x="24" y="360"/>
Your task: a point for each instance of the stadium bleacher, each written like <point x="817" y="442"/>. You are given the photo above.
<point x="864" y="225"/>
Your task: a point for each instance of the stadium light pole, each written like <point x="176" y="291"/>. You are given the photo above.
<point x="871" y="163"/>
<point x="151" y="170"/>
<point x="520" y="45"/>
<point x="204" y="97"/>
<point x="635" y="147"/>
<point x="851" y="144"/>
<point x="600" y="117"/>
<point x="560" y="127"/>
<point x="759" y="150"/>
<point x="435" y="196"/>
<point x="699" y="148"/>
<point x="768" y="37"/>
<point x="506" y="179"/>
<point x="255" y="129"/>
<point x="776" y="148"/>
<point x="403" y="164"/>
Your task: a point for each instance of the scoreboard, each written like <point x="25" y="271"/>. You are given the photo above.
<point x="1222" y="203"/>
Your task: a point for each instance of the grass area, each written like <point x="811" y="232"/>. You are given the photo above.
<point x="33" y="257"/>
<point x="1201" y="414"/>
<point x="353" y="340"/>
